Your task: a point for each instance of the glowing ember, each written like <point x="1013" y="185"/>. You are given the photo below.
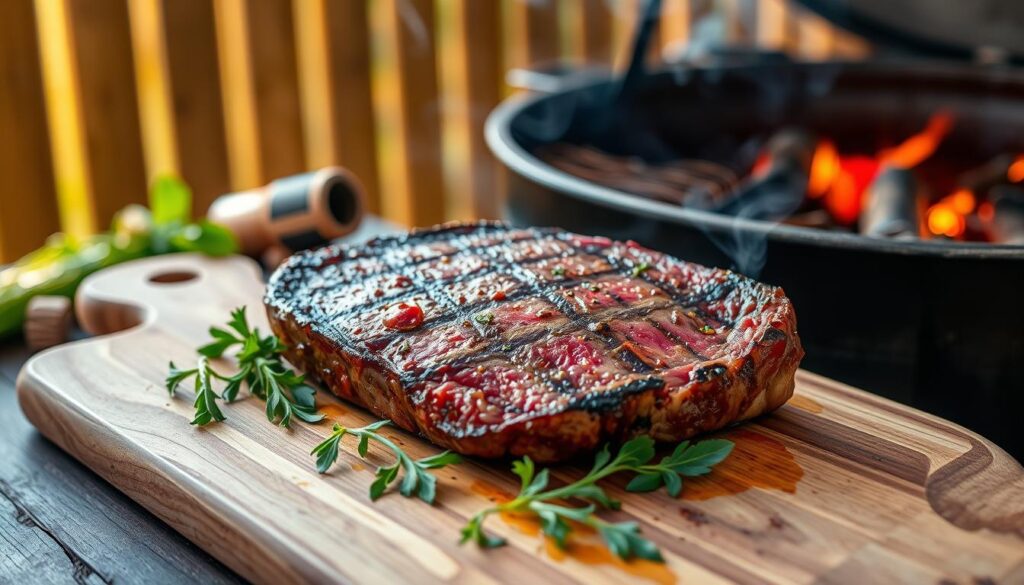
<point x="1016" y="171"/>
<point x="846" y="198"/>
<point x="916" y="149"/>
<point x="943" y="220"/>
<point x="842" y="181"/>
<point x="986" y="212"/>
<point x="824" y="169"/>
<point x="962" y="201"/>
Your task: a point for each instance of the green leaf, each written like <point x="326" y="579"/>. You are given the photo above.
<point x="206" y="399"/>
<point x="385" y="475"/>
<point x="524" y="468"/>
<point x="239" y="322"/>
<point x="440" y="460"/>
<point x="698" y="459"/>
<point x="176" y="376"/>
<point x="596" y="494"/>
<point x="553" y="526"/>
<point x="601" y="459"/>
<point x="635" y="452"/>
<point x="427" y="487"/>
<point x="170" y="200"/>
<point x="411" y="478"/>
<point x="625" y="541"/>
<point x="364" y="445"/>
<point x="645" y="483"/>
<point x="673" y="485"/>
<point x="304" y="395"/>
<point x="473" y="530"/>
<point x="222" y="340"/>
<point x="204" y="236"/>
<point x="327" y="451"/>
<point x="540" y="481"/>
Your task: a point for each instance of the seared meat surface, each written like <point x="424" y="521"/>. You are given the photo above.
<point x="491" y="340"/>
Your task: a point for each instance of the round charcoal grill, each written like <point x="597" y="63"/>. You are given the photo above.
<point x="935" y="324"/>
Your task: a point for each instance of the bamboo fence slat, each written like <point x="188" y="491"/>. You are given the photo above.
<point x="535" y="39"/>
<point x="261" y="90"/>
<point x="28" y="205"/>
<point x="421" y="199"/>
<point x="349" y="73"/>
<point x="194" y="83"/>
<point x="104" y="95"/>
<point x="480" y="80"/>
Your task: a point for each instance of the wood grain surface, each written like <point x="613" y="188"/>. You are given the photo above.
<point x="837" y="486"/>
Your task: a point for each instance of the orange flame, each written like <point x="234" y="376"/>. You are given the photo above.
<point x="824" y="169"/>
<point x="947" y="217"/>
<point x="916" y="149"/>
<point x="843" y="180"/>
<point x="1015" y="173"/>
<point x="846" y="197"/>
<point x="943" y="220"/>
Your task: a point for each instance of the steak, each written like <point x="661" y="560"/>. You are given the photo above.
<point x="495" y="341"/>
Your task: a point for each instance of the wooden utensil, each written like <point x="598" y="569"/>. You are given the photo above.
<point x="837" y="486"/>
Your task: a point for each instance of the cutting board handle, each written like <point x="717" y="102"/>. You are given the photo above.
<point x="144" y="291"/>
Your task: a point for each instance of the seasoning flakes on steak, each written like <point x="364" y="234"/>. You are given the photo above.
<point x="496" y="341"/>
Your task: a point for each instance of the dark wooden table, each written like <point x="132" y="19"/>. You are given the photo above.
<point x="62" y="523"/>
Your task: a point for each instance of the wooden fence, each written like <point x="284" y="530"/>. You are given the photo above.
<point x="99" y="96"/>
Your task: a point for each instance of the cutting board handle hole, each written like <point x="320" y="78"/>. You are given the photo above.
<point x="173" y="277"/>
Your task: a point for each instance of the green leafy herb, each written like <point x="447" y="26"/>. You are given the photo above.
<point x="707" y="330"/>
<point x="484" y="318"/>
<point x="416" y="477"/>
<point x="641" y="268"/>
<point x="260" y="369"/>
<point x="558" y="271"/>
<point x="170" y="200"/>
<point x="622" y="538"/>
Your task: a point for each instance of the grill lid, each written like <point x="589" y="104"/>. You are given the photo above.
<point x="978" y="30"/>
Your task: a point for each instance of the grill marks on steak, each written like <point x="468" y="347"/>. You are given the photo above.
<point x="535" y="341"/>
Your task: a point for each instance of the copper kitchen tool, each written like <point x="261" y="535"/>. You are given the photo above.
<point x="47" y="322"/>
<point x="296" y="212"/>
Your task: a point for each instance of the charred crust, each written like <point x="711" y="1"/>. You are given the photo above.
<point x="612" y="399"/>
<point x="709" y="372"/>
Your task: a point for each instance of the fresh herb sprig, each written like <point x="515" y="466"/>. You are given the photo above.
<point x="260" y="369"/>
<point x="416" y="477"/>
<point x="622" y="538"/>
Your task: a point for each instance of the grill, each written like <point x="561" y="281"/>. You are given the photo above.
<point x="713" y="164"/>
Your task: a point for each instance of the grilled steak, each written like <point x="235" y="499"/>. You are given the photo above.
<point x="491" y="340"/>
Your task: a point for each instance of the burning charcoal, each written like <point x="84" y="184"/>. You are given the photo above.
<point x="777" y="191"/>
<point x="1008" y="222"/>
<point x="892" y="208"/>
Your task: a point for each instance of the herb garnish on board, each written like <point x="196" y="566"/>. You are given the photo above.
<point x="416" y="479"/>
<point x="622" y="538"/>
<point x="260" y="368"/>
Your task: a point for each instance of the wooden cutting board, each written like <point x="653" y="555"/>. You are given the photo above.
<point x="837" y="486"/>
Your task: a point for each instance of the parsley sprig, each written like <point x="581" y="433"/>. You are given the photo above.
<point x="622" y="538"/>
<point x="416" y="479"/>
<point x="261" y="369"/>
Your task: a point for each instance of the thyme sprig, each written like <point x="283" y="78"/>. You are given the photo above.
<point x="261" y="369"/>
<point x="622" y="538"/>
<point x="416" y="478"/>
